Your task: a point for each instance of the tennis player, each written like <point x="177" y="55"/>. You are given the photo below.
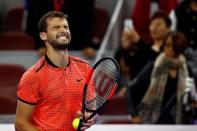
<point x="50" y="92"/>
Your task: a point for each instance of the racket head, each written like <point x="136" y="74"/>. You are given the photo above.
<point x="102" y="82"/>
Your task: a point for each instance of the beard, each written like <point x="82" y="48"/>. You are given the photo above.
<point x="60" y="46"/>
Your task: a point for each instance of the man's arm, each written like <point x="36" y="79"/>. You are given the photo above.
<point x="137" y="89"/>
<point x="24" y="117"/>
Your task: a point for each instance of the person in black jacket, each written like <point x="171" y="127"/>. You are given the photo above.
<point x="161" y="85"/>
<point x="134" y="53"/>
<point x="184" y="19"/>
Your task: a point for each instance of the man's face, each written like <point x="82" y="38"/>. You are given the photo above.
<point x="158" y="29"/>
<point x="58" y="33"/>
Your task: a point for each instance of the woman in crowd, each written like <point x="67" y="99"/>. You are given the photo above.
<point x="163" y="83"/>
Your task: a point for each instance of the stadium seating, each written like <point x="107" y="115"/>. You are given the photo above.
<point x="116" y="106"/>
<point x="101" y="21"/>
<point x="8" y="106"/>
<point x="13" y="19"/>
<point x="14" y="40"/>
<point x="9" y="78"/>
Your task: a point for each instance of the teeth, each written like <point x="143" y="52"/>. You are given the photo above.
<point x="63" y="38"/>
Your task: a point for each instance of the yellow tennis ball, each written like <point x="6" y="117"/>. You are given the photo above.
<point x="76" y="123"/>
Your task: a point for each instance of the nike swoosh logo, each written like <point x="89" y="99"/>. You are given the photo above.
<point x="79" y="79"/>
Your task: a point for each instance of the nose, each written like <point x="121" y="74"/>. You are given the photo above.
<point x="152" y="28"/>
<point x="62" y="29"/>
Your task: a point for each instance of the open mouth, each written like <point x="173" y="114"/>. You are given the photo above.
<point x="63" y="36"/>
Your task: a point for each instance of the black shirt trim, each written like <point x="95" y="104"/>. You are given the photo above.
<point x="50" y="62"/>
<point x="30" y="103"/>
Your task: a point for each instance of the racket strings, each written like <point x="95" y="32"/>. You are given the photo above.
<point x="109" y="68"/>
<point x="96" y="99"/>
<point x="103" y="81"/>
<point x="105" y="76"/>
<point x="95" y="103"/>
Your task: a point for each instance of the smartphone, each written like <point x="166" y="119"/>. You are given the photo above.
<point x="128" y="24"/>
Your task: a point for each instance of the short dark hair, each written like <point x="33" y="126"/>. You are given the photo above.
<point x="179" y="41"/>
<point x="42" y="25"/>
<point x="163" y="15"/>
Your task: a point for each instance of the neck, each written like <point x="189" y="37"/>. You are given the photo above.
<point x="58" y="57"/>
<point x="157" y="45"/>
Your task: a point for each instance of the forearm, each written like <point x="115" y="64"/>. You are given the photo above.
<point x="24" y="117"/>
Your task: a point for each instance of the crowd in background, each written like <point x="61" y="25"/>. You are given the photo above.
<point x="157" y="60"/>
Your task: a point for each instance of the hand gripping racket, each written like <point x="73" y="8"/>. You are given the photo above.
<point x="101" y="84"/>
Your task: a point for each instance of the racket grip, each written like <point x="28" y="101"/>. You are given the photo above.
<point x="80" y="125"/>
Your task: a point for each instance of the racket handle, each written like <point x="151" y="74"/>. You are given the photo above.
<point x="80" y="125"/>
<point x="82" y="121"/>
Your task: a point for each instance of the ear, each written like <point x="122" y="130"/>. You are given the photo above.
<point x="43" y="36"/>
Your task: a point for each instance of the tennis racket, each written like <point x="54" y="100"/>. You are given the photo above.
<point x="101" y="84"/>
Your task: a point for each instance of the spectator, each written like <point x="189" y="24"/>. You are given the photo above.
<point x="163" y="83"/>
<point x="120" y="56"/>
<point x="139" y="52"/>
<point x="134" y="53"/>
<point x="184" y="19"/>
<point x="144" y="9"/>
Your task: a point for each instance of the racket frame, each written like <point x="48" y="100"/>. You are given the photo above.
<point x="94" y="112"/>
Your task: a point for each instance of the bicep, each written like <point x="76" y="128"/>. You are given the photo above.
<point x="24" y="111"/>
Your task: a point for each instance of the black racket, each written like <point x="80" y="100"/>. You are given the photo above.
<point x="101" y="84"/>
